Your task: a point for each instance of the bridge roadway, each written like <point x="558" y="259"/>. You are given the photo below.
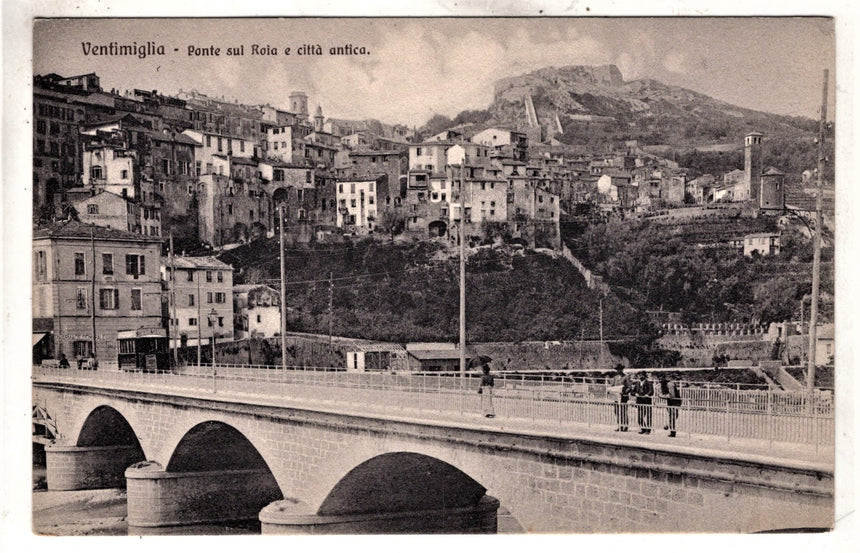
<point x="527" y="414"/>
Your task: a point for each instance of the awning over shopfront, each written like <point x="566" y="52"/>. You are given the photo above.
<point x="37" y="337"/>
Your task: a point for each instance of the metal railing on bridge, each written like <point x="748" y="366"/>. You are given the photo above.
<point x="770" y="416"/>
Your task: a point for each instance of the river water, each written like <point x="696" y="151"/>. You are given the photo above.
<point x="103" y="513"/>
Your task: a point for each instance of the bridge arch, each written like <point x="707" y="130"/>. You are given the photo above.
<point x="197" y="424"/>
<point x="215" y="445"/>
<point x="401" y="482"/>
<point x="96" y="451"/>
<point x="212" y="472"/>
<point x="103" y="421"/>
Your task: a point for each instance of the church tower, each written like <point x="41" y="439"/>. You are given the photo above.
<point x="752" y="165"/>
<point x="318" y="120"/>
<point x="299" y="104"/>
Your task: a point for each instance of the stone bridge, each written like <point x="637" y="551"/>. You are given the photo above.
<point x="188" y="458"/>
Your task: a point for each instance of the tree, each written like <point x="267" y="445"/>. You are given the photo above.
<point x="393" y="222"/>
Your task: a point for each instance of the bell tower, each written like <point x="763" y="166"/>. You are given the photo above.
<point x="318" y="120"/>
<point x="752" y="164"/>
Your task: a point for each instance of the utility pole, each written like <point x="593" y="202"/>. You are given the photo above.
<point x="601" y="333"/>
<point x="93" y="286"/>
<point x="816" y="244"/>
<point x="462" y="273"/>
<point x="283" y="289"/>
<point x="172" y="297"/>
<point x="199" y="315"/>
<point x="330" y="308"/>
<point x="581" y="340"/>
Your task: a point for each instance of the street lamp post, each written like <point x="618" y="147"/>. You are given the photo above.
<point x="213" y="316"/>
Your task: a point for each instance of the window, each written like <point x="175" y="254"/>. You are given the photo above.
<point x="190" y="274"/>
<point x="418" y="151"/>
<point x="209" y="320"/>
<point x="192" y="321"/>
<point x="340" y="188"/>
<point x="82" y="348"/>
<point x="208" y="297"/>
<point x="136" y="299"/>
<point x="124" y="174"/>
<point x="92" y="209"/>
<point x="109" y="298"/>
<point x="135" y="265"/>
<point x="307" y="176"/>
<point x="220" y="276"/>
<point x="220" y="144"/>
<point x="208" y="141"/>
<point x="40" y="126"/>
<point x="229" y="209"/>
<point x="96" y="172"/>
<point x="198" y="167"/>
<point x="107" y="263"/>
<point x="220" y="297"/>
<point x="259" y="319"/>
<point x="81" y="299"/>
<point x="241" y="145"/>
<point x="79" y="264"/>
<point x="221" y="321"/>
<point x="352" y="202"/>
<point x="208" y="276"/>
<point x="41" y="266"/>
<point x="190" y="300"/>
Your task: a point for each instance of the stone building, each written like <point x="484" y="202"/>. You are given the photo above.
<point x="89" y="284"/>
<point x="203" y="292"/>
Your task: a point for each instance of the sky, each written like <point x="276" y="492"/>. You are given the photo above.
<point x="418" y="67"/>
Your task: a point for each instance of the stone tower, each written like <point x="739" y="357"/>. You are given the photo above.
<point x="299" y="104"/>
<point x="752" y="165"/>
<point x="319" y="120"/>
<point x="772" y="195"/>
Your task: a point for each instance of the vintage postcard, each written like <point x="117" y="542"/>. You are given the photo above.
<point x="433" y="275"/>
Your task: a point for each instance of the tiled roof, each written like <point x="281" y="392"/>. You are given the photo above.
<point x="242" y="288"/>
<point x="375" y="153"/>
<point x="203" y="262"/>
<point x="77" y="229"/>
<point x="177" y="137"/>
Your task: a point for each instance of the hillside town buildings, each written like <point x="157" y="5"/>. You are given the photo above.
<point x="218" y="170"/>
<point x="115" y="173"/>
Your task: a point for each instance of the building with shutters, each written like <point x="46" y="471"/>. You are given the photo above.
<point x="89" y="284"/>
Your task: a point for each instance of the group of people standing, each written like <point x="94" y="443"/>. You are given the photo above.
<point x="642" y="391"/>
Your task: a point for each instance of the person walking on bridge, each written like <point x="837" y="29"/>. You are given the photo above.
<point x="643" y="391"/>
<point x="486" y="391"/>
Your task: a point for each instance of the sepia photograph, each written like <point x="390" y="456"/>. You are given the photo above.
<point x="433" y="275"/>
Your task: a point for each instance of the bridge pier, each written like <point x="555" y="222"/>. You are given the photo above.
<point x="88" y="467"/>
<point x="158" y="498"/>
<point x="290" y="516"/>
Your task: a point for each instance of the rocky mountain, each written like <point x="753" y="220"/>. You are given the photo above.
<point x="581" y="104"/>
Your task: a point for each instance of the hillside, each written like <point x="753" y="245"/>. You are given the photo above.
<point x="645" y="109"/>
<point x="410" y="293"/>
<point x="656" y="266"/>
